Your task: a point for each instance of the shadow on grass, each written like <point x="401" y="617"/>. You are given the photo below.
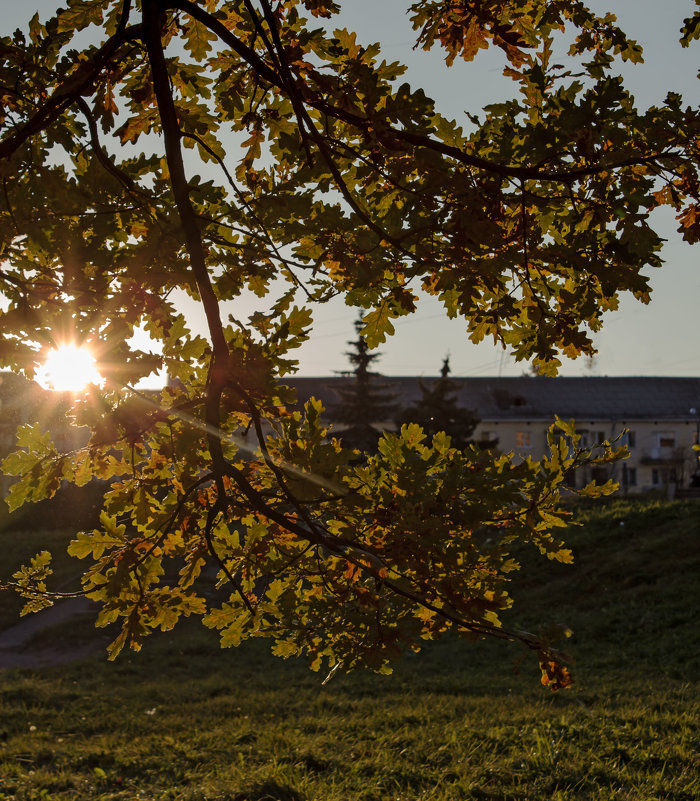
<point x="269" y="791"/>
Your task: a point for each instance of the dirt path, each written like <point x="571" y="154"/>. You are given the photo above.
<point x="16" y="642"/>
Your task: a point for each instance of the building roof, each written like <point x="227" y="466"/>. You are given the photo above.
<point x="497" y="399"/>
<point x="538" y="397"/>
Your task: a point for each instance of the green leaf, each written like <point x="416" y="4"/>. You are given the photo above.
<point x="377" y="325"/>
<point x="96" y="542"/>
<point x="198" y="39"/>
<point x="690" y="29"/>
<point x="79" y="15"/>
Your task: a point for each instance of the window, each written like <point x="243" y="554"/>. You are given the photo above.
<point x="631" y="476"/>
<point x="631" y="439"/>
<point x="487" y="439"/>
<point x="523" y="439"/>
<point x="666" y="439"/>
<point x="589" y="439"/>
<point x="663" y="475"/>
<point x="600" y="474"/>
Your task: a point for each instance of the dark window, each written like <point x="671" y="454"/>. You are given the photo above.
<point x="599" y="474"/>
<point x="663" y="476"/>
<point x="666" y="439"/>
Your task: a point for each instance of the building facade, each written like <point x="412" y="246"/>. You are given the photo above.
<point x="657" y="418"/>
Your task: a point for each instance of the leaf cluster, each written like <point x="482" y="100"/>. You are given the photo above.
<point x="220" y="149"/>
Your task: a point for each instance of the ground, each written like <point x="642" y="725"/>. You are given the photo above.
<point x="186" y="721"/>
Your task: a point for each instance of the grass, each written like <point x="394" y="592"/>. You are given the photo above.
<point x="184" y="720"/>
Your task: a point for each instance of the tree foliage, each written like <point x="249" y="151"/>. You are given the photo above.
<point x="438" y="410"/>
<point x="220" y="147"/>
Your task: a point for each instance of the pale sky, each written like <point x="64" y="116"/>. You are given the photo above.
<point x="660" y="339"/>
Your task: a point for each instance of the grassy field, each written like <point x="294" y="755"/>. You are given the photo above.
<point x="184" y="720"/>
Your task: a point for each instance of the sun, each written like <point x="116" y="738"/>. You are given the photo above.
<point x="69" y="368"/>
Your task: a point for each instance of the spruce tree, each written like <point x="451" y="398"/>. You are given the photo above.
<point x="364" y="402"/>
<point x="438" y="410"/>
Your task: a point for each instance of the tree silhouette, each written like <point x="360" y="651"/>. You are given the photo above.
<point x="438" y="410"/>
<point x="366" y="401"/>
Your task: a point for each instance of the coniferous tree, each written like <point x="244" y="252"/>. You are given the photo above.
<point x="366" y="401"/>
<point x="438" y="410"/>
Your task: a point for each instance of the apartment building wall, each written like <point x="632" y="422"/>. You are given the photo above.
<point x="662" y="415"/>
<point x="661" y="451"/>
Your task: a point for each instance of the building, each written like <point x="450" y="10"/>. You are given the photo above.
<point x="657" y="418"/>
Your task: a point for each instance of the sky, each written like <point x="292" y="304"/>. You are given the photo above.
<point x="660" y="339"/>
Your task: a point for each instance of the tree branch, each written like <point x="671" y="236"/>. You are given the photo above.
<point x="266" y="237"/>
<point x="188" y="217"/>
<point x="129" y="184"/>
<point x="415" y="139"/>
<point x="213" y="513"/>
<point x="76" y="85"/>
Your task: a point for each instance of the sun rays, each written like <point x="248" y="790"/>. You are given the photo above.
<point x="69" y="368"/>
